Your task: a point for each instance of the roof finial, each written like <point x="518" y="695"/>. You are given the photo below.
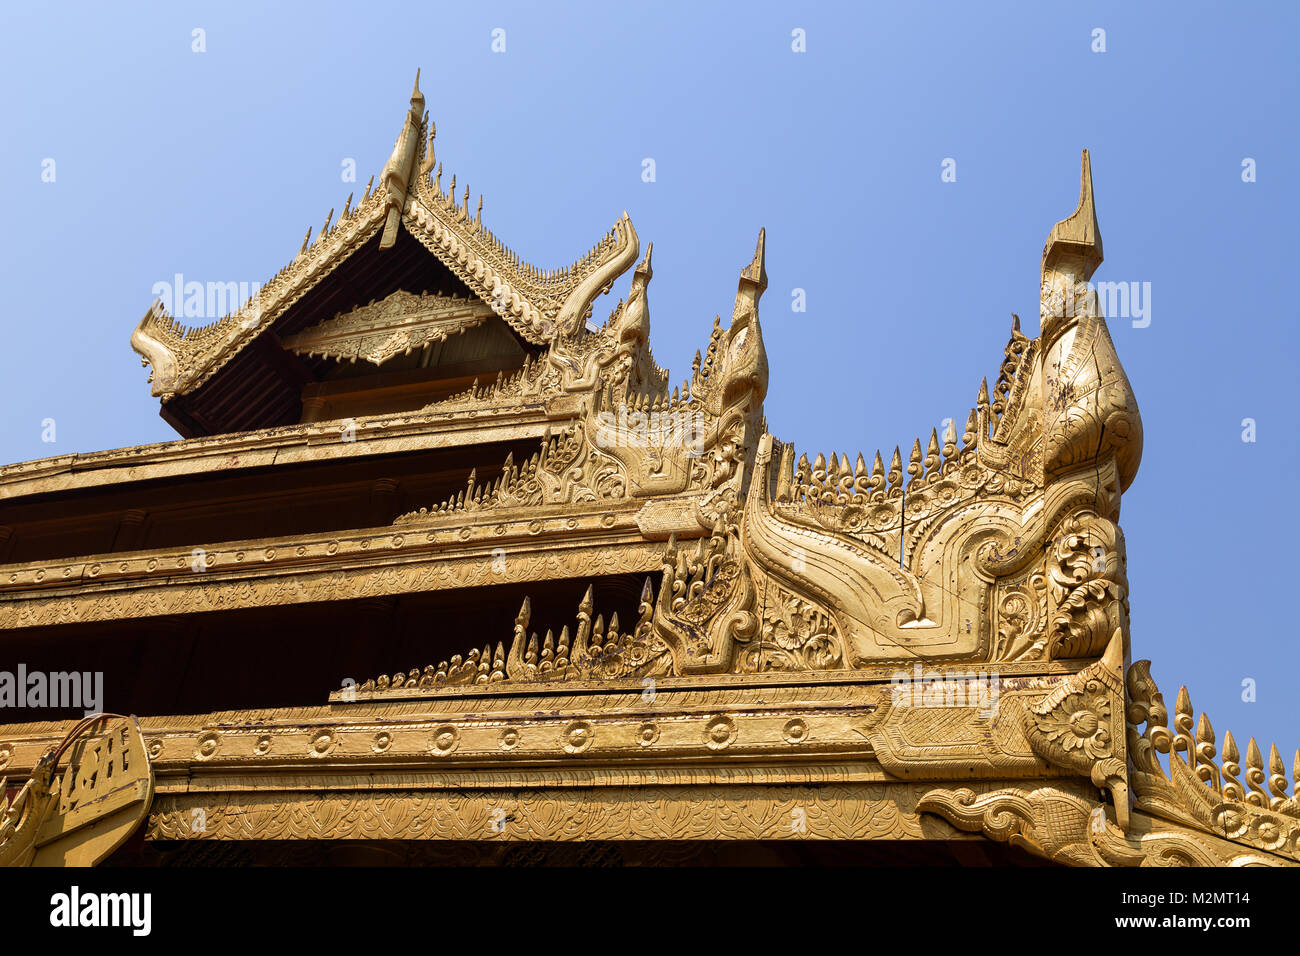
<point x="402" y="166"/>
<point x="643" y="267"/>
<point x="1078" y="235"/>
<point x="417" y="98"/>
<point x="1071" y="255"/>
<point x="756" y="271"/>
<point x="426" y="167"/>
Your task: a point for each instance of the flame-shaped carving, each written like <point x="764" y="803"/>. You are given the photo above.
<point x="706" y="602"/>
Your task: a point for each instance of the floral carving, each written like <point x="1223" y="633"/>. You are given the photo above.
<point x="796" y="635"/>
<point x="706" y="604"/>
<point x="1080" y="722"/>
<point x="1089" y="587"/>
<point x="1080" y="725"/>
<point x="400" y="323"/>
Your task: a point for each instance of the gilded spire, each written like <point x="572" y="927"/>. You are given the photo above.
<point x="426" y="166"/>
<point x="1090" y="412"/>
<point x="753" y="280"/>
<point x="643" y="267"/>
<point x="401" y="166"/>
<point x="756" y="271"/>
<point x="1076" y="242"/>
<point x="417" y="98"/>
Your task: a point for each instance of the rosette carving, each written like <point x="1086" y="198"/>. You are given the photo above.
<point x="796" y="635"/>
<point x="1080" y="725"/>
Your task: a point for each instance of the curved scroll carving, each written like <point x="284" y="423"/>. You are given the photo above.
<point x="1080" y="725"/>
<point x="960" y="545"/>
<point x="707" y="601"/>
<point x="1062" y="826"/>
<point x="1089" y="587"/>
<point x="1196" y="813"/>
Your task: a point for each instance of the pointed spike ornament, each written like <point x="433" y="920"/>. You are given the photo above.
<point x="1205" y="752"/>
<point x="982" y="408"/>
<point x="548" y="650"/>
<point x="861" y="477"/>
<point x="1255" y="775"/>
<point x="914" y="462"/>
<point x="932" y="452"/>
<point x="895" y="470"/>
<point x="1231" y="768"/>
<point x="972" y="429"/>
<point x="426" y="168"/>
<point x="1276" y="777"/>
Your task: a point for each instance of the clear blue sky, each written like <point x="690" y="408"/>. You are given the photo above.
<point x="214" y="164"/>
